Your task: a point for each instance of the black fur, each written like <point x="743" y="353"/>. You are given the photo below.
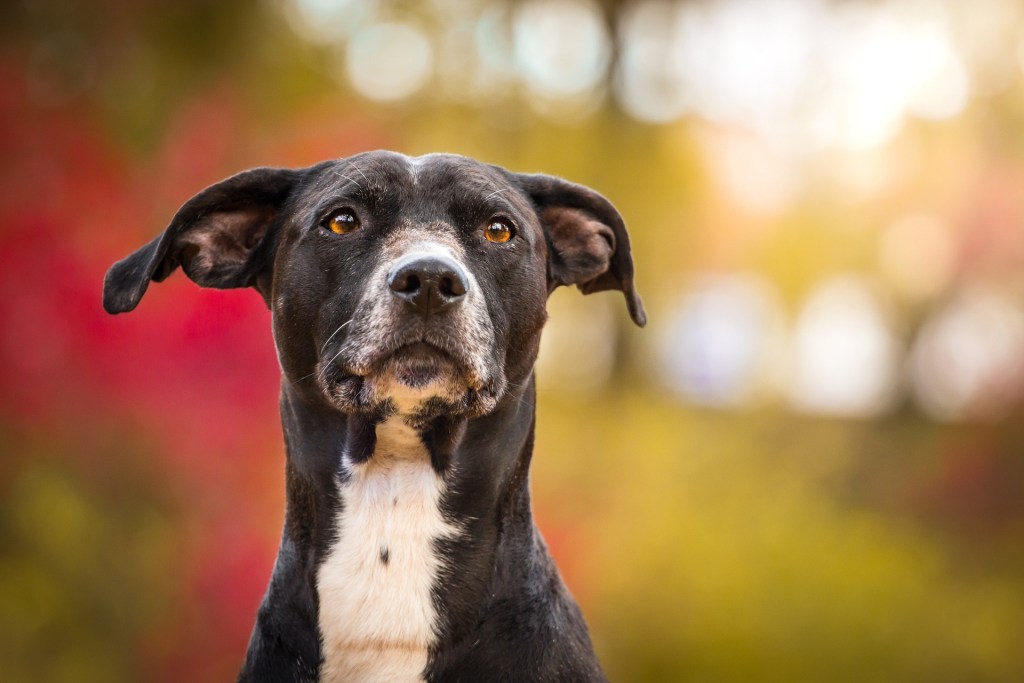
<point x="505" y="613"/>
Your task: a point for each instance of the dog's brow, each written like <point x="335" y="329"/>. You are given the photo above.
<point x="506" y="189"/>
<point x="342" y="175"/>
<point x="369" y="191"/>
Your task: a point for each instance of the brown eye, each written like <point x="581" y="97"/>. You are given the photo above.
<point x="499" y="232"/>
<point x="342" y="222"/>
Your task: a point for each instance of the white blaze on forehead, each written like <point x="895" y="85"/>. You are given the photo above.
<point x="423" y="249"/>
<point x="437" y="240"/>
<point x="377" y="617"/>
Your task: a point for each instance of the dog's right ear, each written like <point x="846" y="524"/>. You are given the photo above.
<point x="221" y="238"/>
<point x="588" y="245"/>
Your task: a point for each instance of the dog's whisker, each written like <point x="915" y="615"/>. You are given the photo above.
<point x="302" y="379"/>
<point x="334" y="333"/>
<point x="496" y="192"/>
<point x="327" y="365"/>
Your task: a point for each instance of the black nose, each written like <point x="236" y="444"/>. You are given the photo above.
<point x="429" y="283"/>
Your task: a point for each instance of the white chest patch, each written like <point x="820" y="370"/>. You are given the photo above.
<point x="377" y="616"/>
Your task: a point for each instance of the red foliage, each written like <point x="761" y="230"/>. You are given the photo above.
<point x="192" y="373"/>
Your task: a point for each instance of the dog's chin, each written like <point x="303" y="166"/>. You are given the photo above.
<point x="417" y="381"/>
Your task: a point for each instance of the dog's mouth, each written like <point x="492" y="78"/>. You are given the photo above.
<point x="420" y="365"/>
<point x="417" y="379"/>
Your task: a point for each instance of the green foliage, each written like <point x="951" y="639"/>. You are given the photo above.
<point x="713" y="548"/>
<point x="82" y="573"/>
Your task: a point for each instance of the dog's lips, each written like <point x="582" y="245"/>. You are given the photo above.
<point x="348" y="388"/>
<point x="420" y="364"/>
<point x="415" y="364"/>
<point x="416" y="369"/>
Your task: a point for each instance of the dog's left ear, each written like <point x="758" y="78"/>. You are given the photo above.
<point x="220" y="239"/>
<point x="588" y="245"/>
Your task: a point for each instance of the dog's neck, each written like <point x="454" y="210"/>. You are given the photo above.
<point x="483" y="463"/>
<point x="490" y="450"/>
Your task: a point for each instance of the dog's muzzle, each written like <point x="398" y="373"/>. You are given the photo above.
<point x="420" y="340"/>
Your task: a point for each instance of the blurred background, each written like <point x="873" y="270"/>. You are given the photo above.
<point x="808" y="467"/>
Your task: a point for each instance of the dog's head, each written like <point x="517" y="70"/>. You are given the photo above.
<point x="395" y="283"/>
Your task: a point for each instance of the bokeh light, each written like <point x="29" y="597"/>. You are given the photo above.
<point x="968" y="361"/>
<point x="561" y="47"/>
<point x="845" y="354"/>
<point x="722" y="346"/>
<point x="389" y="61"/>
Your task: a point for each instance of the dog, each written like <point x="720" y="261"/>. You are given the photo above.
<point x="407" y="298"/>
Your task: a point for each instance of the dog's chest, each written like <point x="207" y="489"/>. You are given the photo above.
<point x="377" y="616"/>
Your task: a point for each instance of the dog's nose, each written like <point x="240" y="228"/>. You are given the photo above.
<point x="428" y="283"/>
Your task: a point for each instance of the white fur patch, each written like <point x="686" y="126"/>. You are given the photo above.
<point x="469" y="333"/>
<point x="377" y="617"/>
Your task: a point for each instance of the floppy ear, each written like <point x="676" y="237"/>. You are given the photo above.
<point x="222" y="238"/>
<point x="587" y="241"/>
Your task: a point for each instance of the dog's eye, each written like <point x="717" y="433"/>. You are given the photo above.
<point x="342" y="222"/>
<point x="498" y="231"/>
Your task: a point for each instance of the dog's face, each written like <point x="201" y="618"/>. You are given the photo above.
<point x="423" y="282"/>
<point x="396" y="284"/>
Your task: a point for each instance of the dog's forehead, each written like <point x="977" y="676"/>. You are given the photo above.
<point x="439" y="170"/>
<point x="383" y="174"/>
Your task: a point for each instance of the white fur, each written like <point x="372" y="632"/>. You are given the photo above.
<point x="378" y="620"/>
<point x="374" y="319"/>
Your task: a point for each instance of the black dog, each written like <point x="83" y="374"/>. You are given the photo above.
<point x="408" y="297"/>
